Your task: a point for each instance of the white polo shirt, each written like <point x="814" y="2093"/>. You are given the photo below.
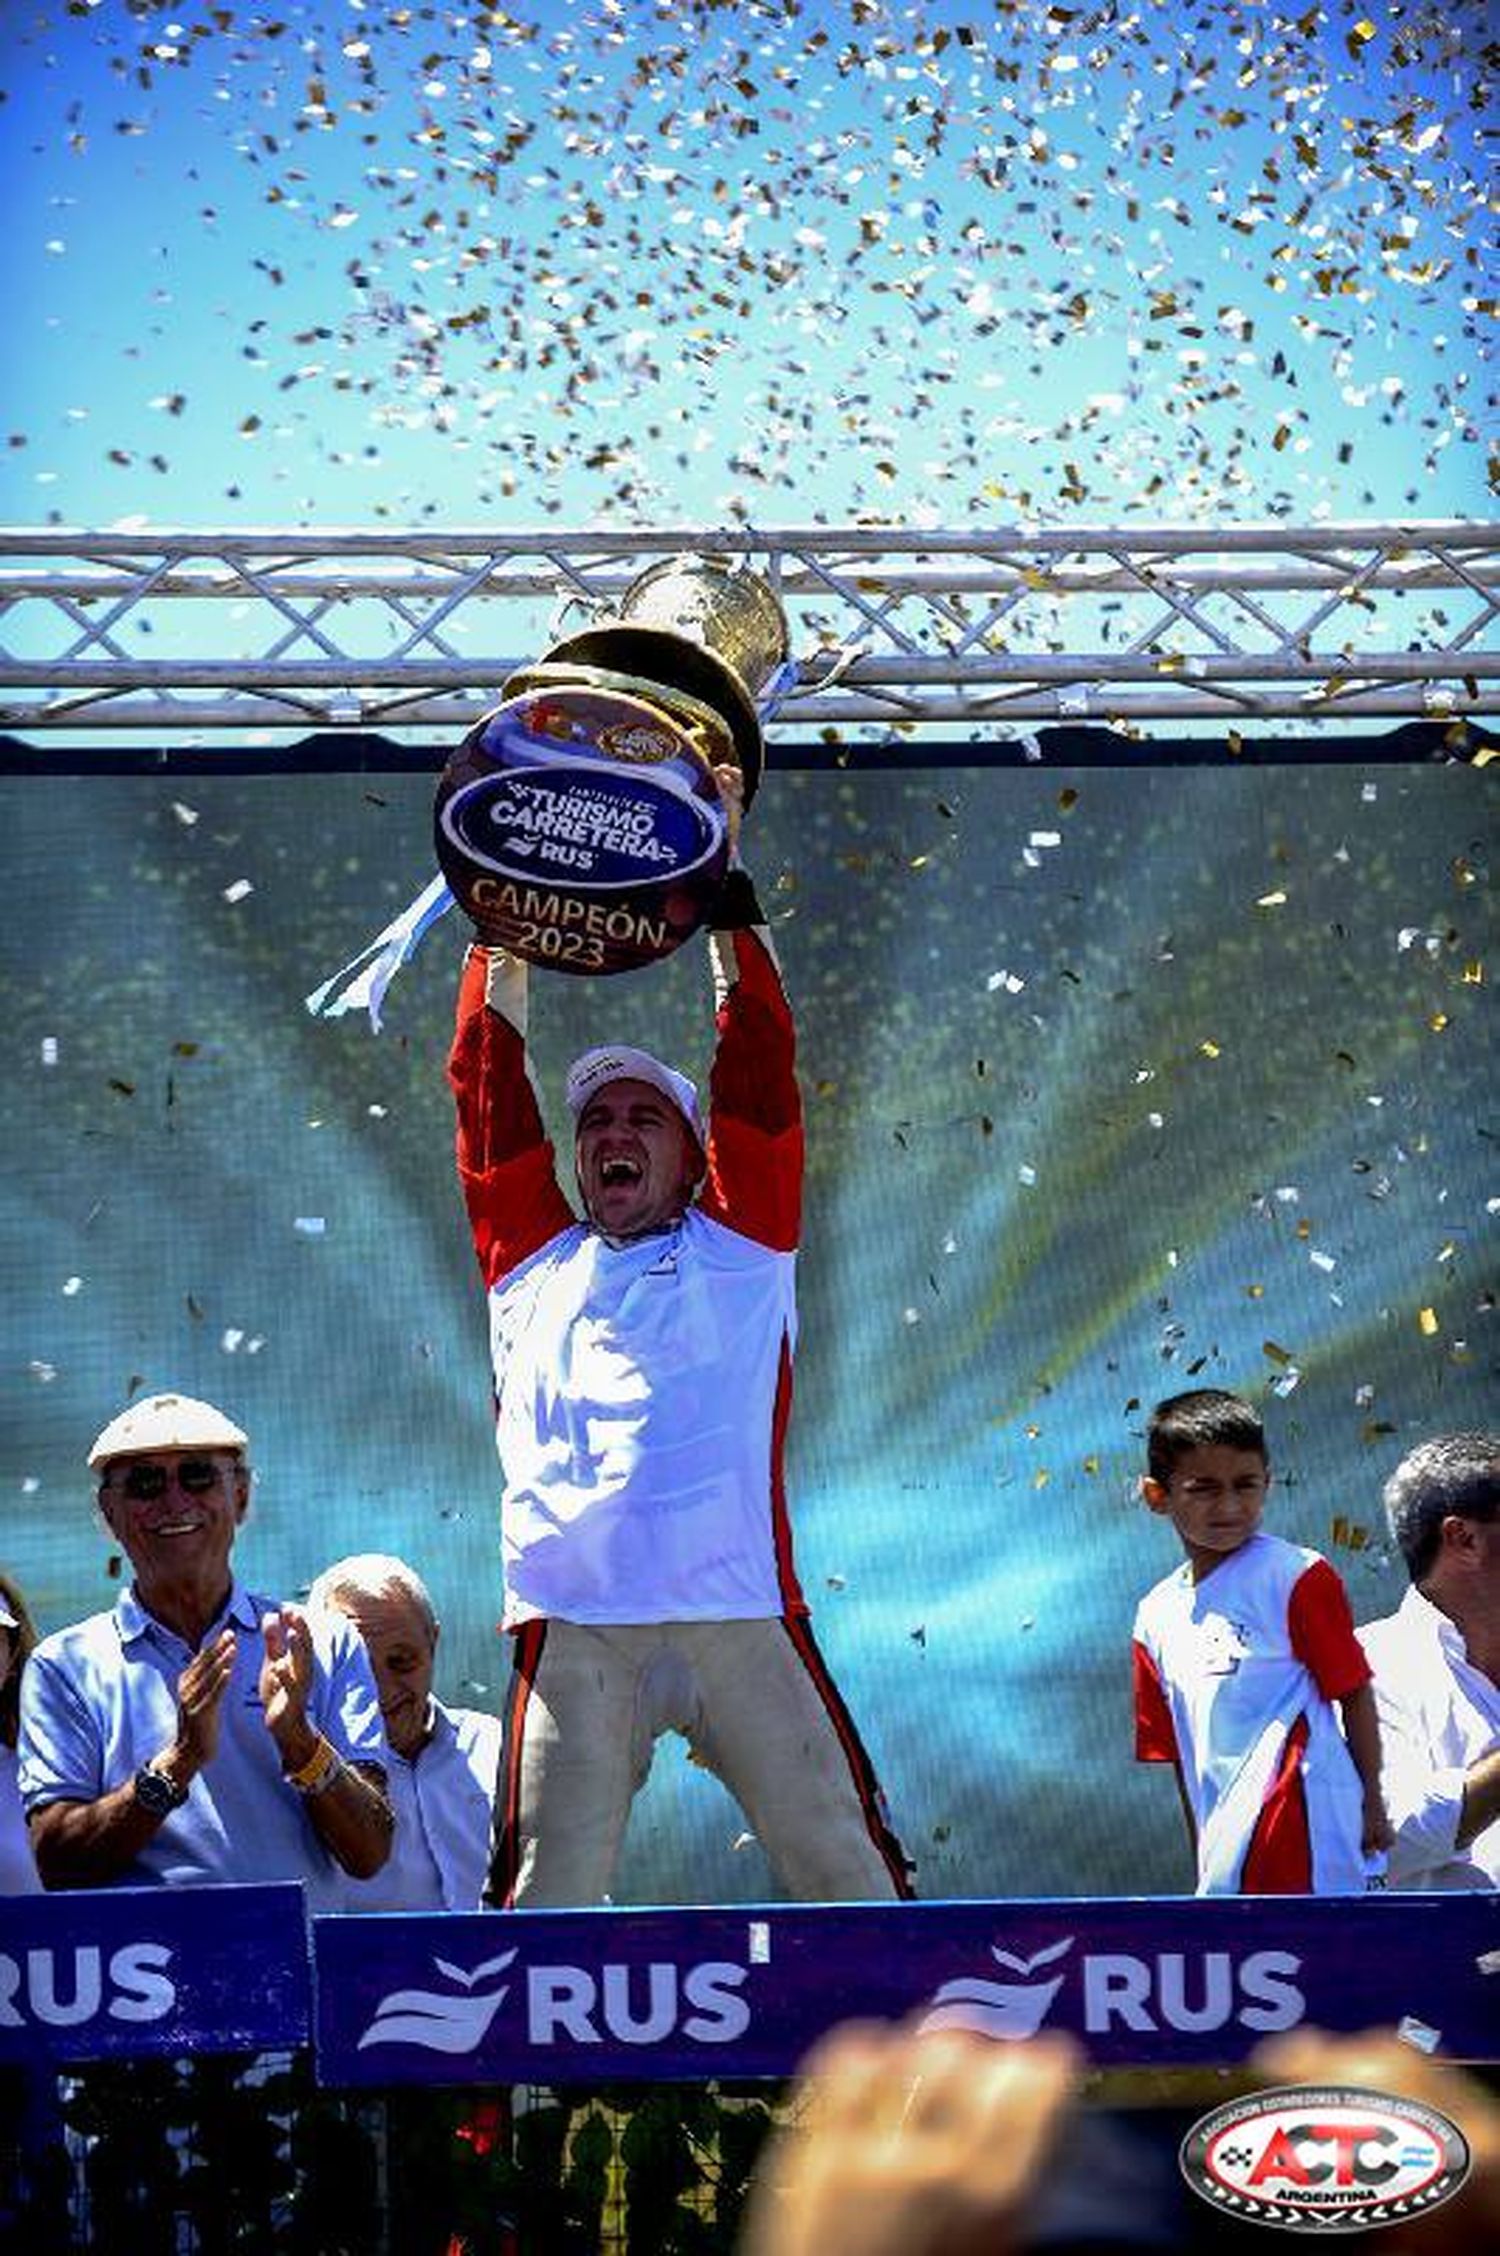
<point x="1438" y="1715"/>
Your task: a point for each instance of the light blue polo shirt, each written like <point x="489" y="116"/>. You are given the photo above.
<point x="443" y="1800"/>
<point x="100" y="1698"/>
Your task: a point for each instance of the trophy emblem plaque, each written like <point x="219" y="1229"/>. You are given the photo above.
<point x="579" y="824"/>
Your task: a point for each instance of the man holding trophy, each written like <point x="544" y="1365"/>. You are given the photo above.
<point x="643" y="1349"/>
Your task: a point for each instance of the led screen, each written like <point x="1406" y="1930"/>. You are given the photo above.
<point x="1117" y="1081"/>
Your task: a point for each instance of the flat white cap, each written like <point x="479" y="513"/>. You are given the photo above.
<point x="597" y="1068"/>
<point x="166" y="1421"/>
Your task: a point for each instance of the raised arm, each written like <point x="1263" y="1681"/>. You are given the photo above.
<point x="344" y="1797"/>
<point x="755" y="1142"/>
<point x="506" y="1166"/>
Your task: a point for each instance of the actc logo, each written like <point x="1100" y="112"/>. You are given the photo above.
<point x="1322" y="2158"/>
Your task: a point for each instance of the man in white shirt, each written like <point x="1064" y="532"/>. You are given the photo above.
<point x="642" y="1356"/>
<point x="443" y="1761"/>
<point x="1437" y="1666"/>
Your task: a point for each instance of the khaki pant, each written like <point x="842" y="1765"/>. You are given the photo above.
<point x="757" y="1707"/>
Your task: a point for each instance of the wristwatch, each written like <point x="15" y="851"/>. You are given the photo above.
<point x="156" y="1793"/>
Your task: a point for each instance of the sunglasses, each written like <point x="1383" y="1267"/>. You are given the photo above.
<point x="145" y="1484"/>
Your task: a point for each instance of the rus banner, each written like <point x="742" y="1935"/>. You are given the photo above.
<point x="116" y="1972"/>
<point x="559" y="1997"/>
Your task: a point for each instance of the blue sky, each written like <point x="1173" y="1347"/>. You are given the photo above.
<point x="342" y="264"/>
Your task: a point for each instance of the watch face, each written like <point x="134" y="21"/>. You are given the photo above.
<point x="156" y="1793"/>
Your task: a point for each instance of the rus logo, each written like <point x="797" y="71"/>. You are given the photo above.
<point x="63" y="1988"/>
<point x="568" y="2005"/>
<point x="1189" y="1992"/>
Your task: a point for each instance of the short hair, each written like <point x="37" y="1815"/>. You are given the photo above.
<point x="1453" y="1474"/>
<point x="1203" y="1418"/>
<point x="372" y="1574"/>
<point x="25" y="1645"/>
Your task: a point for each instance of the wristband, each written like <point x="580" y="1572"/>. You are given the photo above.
<point x="319" y="1770"/>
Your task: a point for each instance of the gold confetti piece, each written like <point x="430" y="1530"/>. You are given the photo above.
<point x="1271" y="901"/>
<point x="1091" y="1464"/>
<point x="1473" y="974"/>
<point x="1255" y="1292"/>
<point x="1275" y="1354"/>
<point x="1427" y="1322"/>
<point x="1209" y="1049"/>
<point x="1041" y="1478"/>
<point x="1439" y="1021"/>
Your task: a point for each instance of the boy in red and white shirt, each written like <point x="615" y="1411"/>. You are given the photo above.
<point x="1241" y="1657"/>
<point x="643" y="1363"/>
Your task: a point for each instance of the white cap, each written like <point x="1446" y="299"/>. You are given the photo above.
<point x="166" y="1421"/>
<point x="597" y="1068"/>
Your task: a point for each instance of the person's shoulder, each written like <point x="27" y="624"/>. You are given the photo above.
<point x="1276" y="1558"/>
<point x="1396" y="1643"/>
<point x="552" y="1254"/>
<point x="472" y="1727"/>
<point x="711" y="1240"/>
<point x="1164" y="1598"/>
<point x="91" y="1635"/>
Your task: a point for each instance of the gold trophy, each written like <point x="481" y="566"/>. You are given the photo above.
<point x="579" y="824"/>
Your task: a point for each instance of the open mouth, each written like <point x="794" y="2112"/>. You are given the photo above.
<point x="613" y="1172"/>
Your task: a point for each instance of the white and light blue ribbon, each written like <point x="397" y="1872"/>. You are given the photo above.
<point x="362" y="983"/>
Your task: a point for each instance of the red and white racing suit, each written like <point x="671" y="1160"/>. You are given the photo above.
<point x="642" y="1393"/>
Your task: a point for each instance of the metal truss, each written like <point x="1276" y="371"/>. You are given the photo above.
<point x="210" y="634"/>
